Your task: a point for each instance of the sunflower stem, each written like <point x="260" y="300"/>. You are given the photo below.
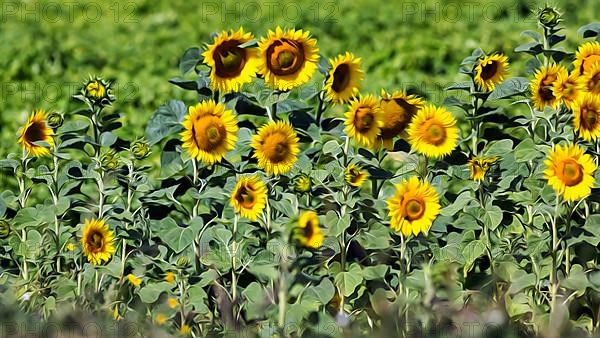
<point x="320" y="108"/>
<point x="55" y="191"/>
<point x="555" y="243"/>
<point x="195" y="183"/>
<point x="22" y="203"/>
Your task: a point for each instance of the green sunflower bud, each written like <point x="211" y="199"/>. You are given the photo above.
<point x="302" y="183"/>
<point x="4" y="228"/>
<point x="140" y="149"/>
<point x="98" y="90"/>
<point x="549" y="17"/>
<point x="55" y="120"/>
<point x="183" y="261"/>
<point x="110" y="160"/>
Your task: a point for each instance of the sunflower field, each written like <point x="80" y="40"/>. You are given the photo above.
<point x="275" y="196"/>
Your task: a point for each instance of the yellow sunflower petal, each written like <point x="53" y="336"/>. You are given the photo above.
<point x="490" y="71"/>
<point x="276" y="147"/>
<point x="414" y="207"/>
<point x="34" y="132"/>
<point x="586" y="112"/>
<point x="433" y="132"/>
<point x="97" y="241"/>
<point x="543" y="84"/>
<point x="345" y="76"/>
<point x="249" y="197"/>
<point x="364" y="120"/>
<point x="570" y="172"/>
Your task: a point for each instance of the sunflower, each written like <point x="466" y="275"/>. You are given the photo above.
<point x="210" y="131"/>
<point x="307" y="231"/>
<point x="134" y="280"/>
<point x="231" y="65"/>
<point x="170" y="277"/>
<point x="343" y="80"/>
<point x="355" y="176"/>
<point x="302" y="183"/>
<point x="172" y="302"/>
<point x="586" y="57"/>
<point x="34" y="131"/>
<point x="414" y="207"/>
<point x="433" y="132"/>
<point x="160" y="319"/>
<point x="568" y="89"/>
<point x="591" y="80"/>
<point x="97" y="241"/>
<point x="479" y="166"/>
<point x="398" y="109"/>
<point x="288" y="58"/>
<point x="587" y="117"/>
<point x="249" y="197"/>
<point x="542" y="86"/>
<point x="98" y="90"/>
<point x="364" y="120"/>
<point x="570" y="172"/>
<point x="490" y="71"/>
<point x="275" y="147"/>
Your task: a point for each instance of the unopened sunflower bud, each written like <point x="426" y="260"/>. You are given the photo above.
<point x="183" y="261"/>
<point x="549" y="17"/>
<point x="110" y="160"/>
<point x="4" y="228"/>
<point x="302" y="183"/>
<point x="98" y="90"/>
<point x="140" y="149"/>
<point x="55" y="120"/>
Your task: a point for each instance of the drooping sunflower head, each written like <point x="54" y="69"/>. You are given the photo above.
<point x="276" y="147"/>
<point x="490" y="71"/>
<point x="302" y="183"/>
<point x="288" y="58"/>
<point x="210" y="131"/>
<point x="567" y="89"/>
<point x="398" y="109"/>
<point x="591" y="80"/>
<point x="364" y="120"/>
<point x="586" y="57"/>
<point x="570" y="172"/>
<point x="97" y="241"/>
<point x="414" y="207"/>
<point x="543" y="84"/>
<point x="433" y="132"/>
<point x="231" y="65"/>
<point x="35" y="133"/>
<point x="355" y="175"/>
<point x="249" y="197"/>
<point x="479" y="166"/>
<point x="344" y="78"/>
<point x="586" y="113"/>
<point x="307" y="232"/>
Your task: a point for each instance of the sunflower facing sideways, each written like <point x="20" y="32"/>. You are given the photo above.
<point x="210" y="132"/>
<point x="586" y="57"/>
<point x="355" y="176"/>
<point x="414" y="207"/>
<point x="231" y="65"/>
<point x="586" y="113"/>
<point x="490" y="71"/>
<point x="433" y="132"/>
<point x="479" y="166"/>
<point x="364" y="120"/>
<point x="307" y="232"/>
<point x="249" y="197"/>
<point x="343" y="80"/>
<point x="591" y="80"/>
<point x="567" y="89"/>
<point x="398" y="109"/>
<point x="288" y="58"/>
<point x="34" y="132"/>
<point x="543" y="84"/>
<point x="276" y="147"/>
<point x="570" y="172"/>
<point x="97" y="241"/>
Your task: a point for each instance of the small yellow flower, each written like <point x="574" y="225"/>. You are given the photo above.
<point x="307" y="232"/>
<point x="95" y="89"/>
<point x="170" y="277"/>
<point x="172" y="302"/>
<point x="185" y="329"/>
<point x="302" y="183"/>
<point x="586" y="57"/>
<point x="343" y="81"/>
<point x="355" y="176"/>
<point x="543" y="84"/>
<point x="591" y="80"/>
<point x="160" y="319"/>
<point x="398" y="109"/>
<point x="70" y="247"/>
<point x="34" y="131"/>
<point x="134" y="280"/>
<point x="479" y="166"/>
<point x="586" y="112"/>
<point x="249" y="197"/>
<point x="568" y="89"/>
<point x="490" y="71"/>
<point x="116" y="315"/>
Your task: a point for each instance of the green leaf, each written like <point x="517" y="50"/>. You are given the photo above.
<point x="348" y="281"/>
<point x="509" y="88"/>
<point x="499" y="148"/>
<point x="165" y="121"/>
<point x="191" y="57"/>
<point x="198" y="297"/>
<point x="459" y="203"/>
<point x="177" y="237"/>
<point x="590" y="30"/>
<point x="526" y="151"/>
<point x="471" y="252"/>
<point x="492" y="216"/>
<point x="150" y="293"/>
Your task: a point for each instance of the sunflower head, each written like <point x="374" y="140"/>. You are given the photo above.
<point x="364" y="120"/>
<point x="140" y="149"/>
<point x="4" y="228"/>
<point x="568" y="89"/>
<point x="414" y="207"/>
<point x="210" y="131"/>
<point x="70" y="247"/>
<point x="586" y="113"/>
<point x="479" y="166"/>
<point x="344" y="78"/>
<point x="249" y="197"/>
<point x="97" y="241"/>
<point x="276" y="147"/>
<point x="307" y="232"/>
<point x="185" y="330"/>
<point x="110" y="160"/>
<point x="170" y="277"/>
<point x="586" y="57"/>
<point x="591" y="80"/>
<point x="55" y="120"/>
<point x="232" y="65"/>
<point x="98" y="91"/>
<point x="570" y="172"/>
<point x="302" y="183"/>
<point x="433" y="132"/>
<point x="160" y="319"/>
<point x="288" y="58"/>
<point x="35" y="133"/>
<point x="543" y="84"/>
<point x="398" y="109"/>
<point x="355" y="176"/>
<point x="549" y="16"/>
<point x="490" y="71"/>
<point x="172" y="302"/>
<point x="182" y="262"/>
<point x="135" y="281"/>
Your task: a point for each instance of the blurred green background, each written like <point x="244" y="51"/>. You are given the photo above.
<point x="49" y="47"/>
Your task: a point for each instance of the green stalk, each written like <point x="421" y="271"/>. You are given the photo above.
<point x="555" y="244"/>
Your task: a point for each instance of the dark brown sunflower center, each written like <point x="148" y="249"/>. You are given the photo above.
<point x="229" y="59"/>
<point x="35" y="132"/>
<point x="414" y="209"/>
<point x="95" y="241"/>
<point x="594" y="83"/>
<point x="354" y="175"/>
<point x="285" y="57"/>
<point x="341" y="77"/>
<point x="489" y="70"/>
<point x="572" y="173"/>
<point x="589" y="118"/>
<point x="276" y="148"/>
<point x="545" y="91"/>
<point x="364" y="119"/>
<point x="435" y="134"/>
<point x="308" y="230"/>
<point x="397" y="114"/>
<point x="246" y="196"/>
<point x="209" y="133"/>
